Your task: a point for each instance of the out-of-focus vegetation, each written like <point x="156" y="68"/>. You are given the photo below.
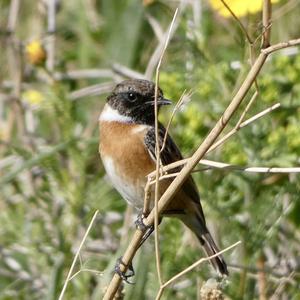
<point x="52" y="180"/>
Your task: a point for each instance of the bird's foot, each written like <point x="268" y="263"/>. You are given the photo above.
<point x="146" y="229"/>
<point x="139" y="223"/>
<point x="127" y="274"/>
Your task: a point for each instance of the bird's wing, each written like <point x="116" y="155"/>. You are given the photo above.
<point x="170" y="154"/>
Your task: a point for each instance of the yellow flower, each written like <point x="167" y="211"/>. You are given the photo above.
<point x="33" y="98"/>
<point x="239" y="7"/>
<point x="35" y="52"/>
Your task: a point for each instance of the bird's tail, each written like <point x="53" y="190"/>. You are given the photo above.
<point x="198" y="226"/>
<point x="211" y="248"/>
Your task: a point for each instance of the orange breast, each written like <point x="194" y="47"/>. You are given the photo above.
<point x="126" y="143"/>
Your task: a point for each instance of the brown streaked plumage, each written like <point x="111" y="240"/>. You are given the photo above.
<point x="127" y="149"/>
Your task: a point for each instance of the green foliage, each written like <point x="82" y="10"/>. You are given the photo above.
<point x="52" y="180"/>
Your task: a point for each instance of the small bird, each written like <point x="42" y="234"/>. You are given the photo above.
<point x="127" y="149"/>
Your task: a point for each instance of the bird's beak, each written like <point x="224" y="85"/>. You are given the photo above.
<point x="160" y="101"/>
<point x="164" y="101"/>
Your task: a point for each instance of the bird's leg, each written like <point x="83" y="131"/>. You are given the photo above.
<point x="146" y="229"/>
<point x="147" y="233"/>
<point x="139" y="222"/>
<point x="123" y="274"/>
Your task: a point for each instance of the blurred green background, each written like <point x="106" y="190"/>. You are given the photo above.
<point x="51" y="177"/>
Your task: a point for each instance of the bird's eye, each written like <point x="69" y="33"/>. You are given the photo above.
<point x="132" y="96"/>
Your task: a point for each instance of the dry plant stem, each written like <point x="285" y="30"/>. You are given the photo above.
<point x="126" y="72"/>
<point x="266" y="20"/>
<point x="245" y="123"/>
<point x="92" y="90"/>
<point x="84" y="73"/>
<point x="210" y="139"/>
<point x="147" y="198"/>
<point x="225" y="166"/>
<point x="16" y="68"/>
<point x="157" y="150"/>
<point x="13" y="15"/>
<point x="262" y="283"/>
<point x="77" y="255"/>
<point x="280" y="46"/>
<point x="239" y="22"/>
<point x="280" y="287"/>
<point x="190" y="268"/>
<point x="219" y="165"/>
<point x="253" y="98"/>
<point x="249" y="39"/>
<point x="157" y="171"/>
<point x="50" y="63"/>
<point x="224" y="138"/>
<point x="178" y="104"/>
<point x="153" y="61"/>
<point x="192" y="162"/>
<point x="158" y="31"/>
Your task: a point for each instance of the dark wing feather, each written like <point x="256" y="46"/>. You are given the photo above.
<point x="170" y="154"/>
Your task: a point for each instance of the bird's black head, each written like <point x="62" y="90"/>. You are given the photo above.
<point x="135" y="98"/>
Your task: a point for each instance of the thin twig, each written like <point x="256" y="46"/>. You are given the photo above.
<point x="153" y="61"/>
<point x="238" y="124"/>
<point x="239" y="22"/>
<point x="13" y="15"/>
<point x="225" y="166"/>
<point x="193" y="161"/>
<point x="50" y="45"/>
<point x="92" y="90"/>
<point x="69" y="276"/>
<point x="147" y="198"/>
<point x="178" y="104"/>
<point x="224" y="138"/>
<point x="126" y="72"/>
<point x="266" y="20"/>
<point x="155" y="27"/>
<point x="157" y="148"/>
<point x="84" y="74"/>
<point x="261" y="278"/>
<point x="281" y="286"/>
<point x="280" y="46"/>
<point x="219" y="165"/>
<point x="190" y="268"/>
<point x="249" y="39"/>
<point x="96" y="272"/>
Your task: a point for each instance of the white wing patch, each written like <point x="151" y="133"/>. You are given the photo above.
<point x="112" y="115"/>
<point x="140" y="128"/>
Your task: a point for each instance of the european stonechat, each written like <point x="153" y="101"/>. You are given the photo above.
<point x="127" y="149"/>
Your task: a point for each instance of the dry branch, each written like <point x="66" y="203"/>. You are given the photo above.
<point x="77" y="255"/>
<point x="193" y="161"/>
<point x="50" y="44"/>
<point x="157" y="148"/>
<point x="13" y="15"/>
<point x="223" y="139"/>
<point x="266" y="19"/>
<point x="190" y="268"/>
